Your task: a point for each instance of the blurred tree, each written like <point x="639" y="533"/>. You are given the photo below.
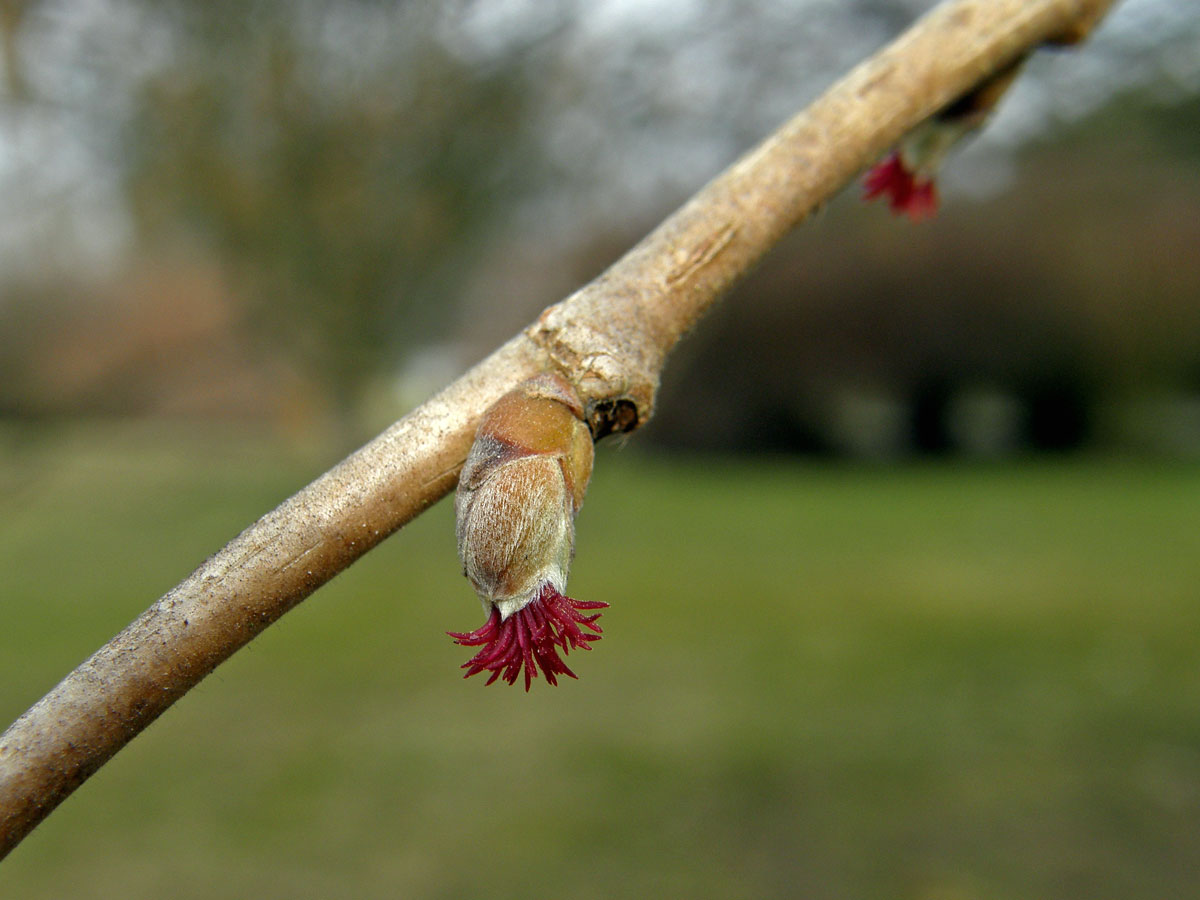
<point x="1043" y="299"/>
<point x="344" y="175"/>
<point x="12" y="12"/>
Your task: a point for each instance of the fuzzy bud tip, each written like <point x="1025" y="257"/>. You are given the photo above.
<point x="531" y="637"/>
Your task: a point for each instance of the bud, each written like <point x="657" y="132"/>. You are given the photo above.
<point x="906" y="176"/>
<point x="520" y="488"/>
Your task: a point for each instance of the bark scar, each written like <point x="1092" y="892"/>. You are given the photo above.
<point x="702" y="255"/>
<point x="299" y="558"/>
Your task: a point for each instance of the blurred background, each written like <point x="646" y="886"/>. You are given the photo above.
<point x="903" y="573"/>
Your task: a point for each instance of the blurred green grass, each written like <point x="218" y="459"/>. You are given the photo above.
<point x="816" y="681"/>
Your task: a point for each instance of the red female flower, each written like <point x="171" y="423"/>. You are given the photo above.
<point x="531" y="637"/>
<point x="520" y="488"/>
<point x="906" y="176"/>
<point x="906" y="193"/>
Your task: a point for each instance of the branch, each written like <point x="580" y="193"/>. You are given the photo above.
<point x="610" y="339"/>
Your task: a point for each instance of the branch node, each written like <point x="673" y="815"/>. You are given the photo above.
<point x="612" y="365"/>
<point x="605" y="417"/>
